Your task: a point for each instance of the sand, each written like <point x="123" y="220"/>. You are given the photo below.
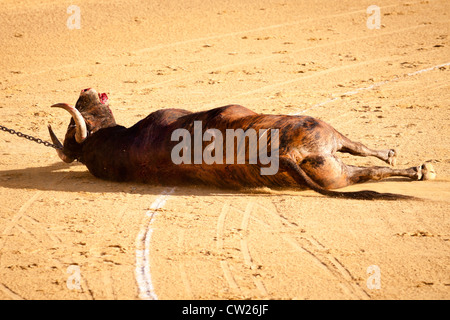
<point x="66" y="235"/>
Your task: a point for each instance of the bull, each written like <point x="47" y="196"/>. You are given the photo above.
<point x="142" y="153"/>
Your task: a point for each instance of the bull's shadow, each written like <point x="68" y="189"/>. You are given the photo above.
<point x="76" y="178"/>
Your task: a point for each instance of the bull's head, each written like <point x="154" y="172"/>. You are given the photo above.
<point x="90" y="114"/>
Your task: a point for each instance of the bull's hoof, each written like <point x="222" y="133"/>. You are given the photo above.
<point x="426" y="172"/>
<point x="392" y="157"/>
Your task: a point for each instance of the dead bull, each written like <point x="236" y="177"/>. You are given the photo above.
<point x="142" y="153"/>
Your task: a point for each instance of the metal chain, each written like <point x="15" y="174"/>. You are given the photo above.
<point x="23" y="135"/>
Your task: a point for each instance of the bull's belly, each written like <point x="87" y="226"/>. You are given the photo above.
<point x="230" y="176"/>
<point x="223" y="176"/>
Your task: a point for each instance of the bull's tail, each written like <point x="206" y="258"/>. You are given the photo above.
<point x="300" y="176"/>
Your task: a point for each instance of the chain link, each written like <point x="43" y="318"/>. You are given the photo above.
<point x="23" y="135"/>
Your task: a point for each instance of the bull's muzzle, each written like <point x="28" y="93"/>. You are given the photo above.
<point x="57" y="143"/>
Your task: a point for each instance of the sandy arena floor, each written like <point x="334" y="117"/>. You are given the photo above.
<point x="386" y="87"/>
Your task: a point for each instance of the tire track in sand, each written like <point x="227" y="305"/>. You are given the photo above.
<point x="18" y="222"/>
<point x="248" y="259"/>
<point x="220" y="240"/>
<point x="319" y="253"/>
<point x="182" y="267"/>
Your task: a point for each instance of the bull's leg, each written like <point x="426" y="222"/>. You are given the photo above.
<point x="327" y="171"/>
<point x="358" y="149"/>
<point x="331" y="173"/>
<point x="362" y="174"/>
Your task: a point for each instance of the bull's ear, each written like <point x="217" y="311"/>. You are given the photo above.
<point x="81" y="131"/>
<point x="98" y="118"/>
<point x="60" y="151"/>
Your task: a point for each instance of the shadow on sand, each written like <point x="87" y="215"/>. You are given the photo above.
<point x="76" y="178"/>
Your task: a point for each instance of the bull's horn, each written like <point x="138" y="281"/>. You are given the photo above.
<point x="56" y="142"/>
<point x="81" y="131"/>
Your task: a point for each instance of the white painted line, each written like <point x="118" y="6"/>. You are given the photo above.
<point x="142" y="271"/>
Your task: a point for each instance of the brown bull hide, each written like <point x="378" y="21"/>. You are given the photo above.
<point x="305" y="150"/>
